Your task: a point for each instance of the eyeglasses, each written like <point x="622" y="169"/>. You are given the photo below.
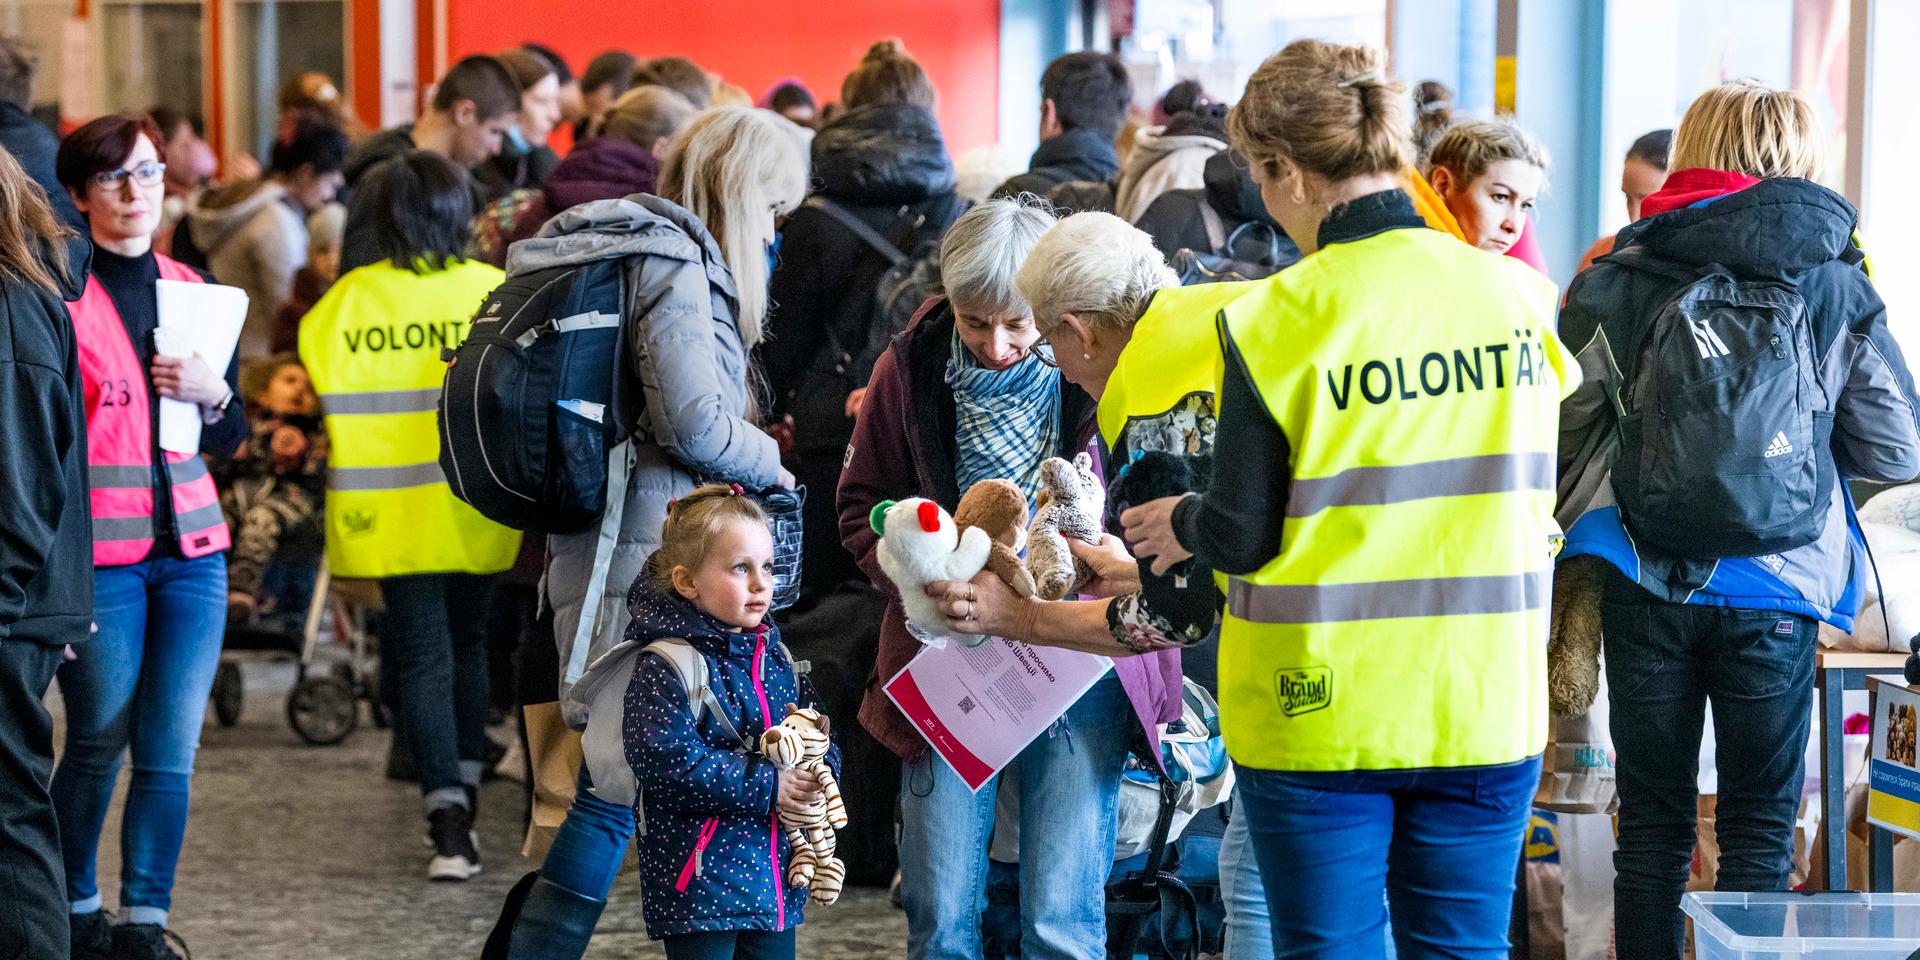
<point x="146" y="173"/>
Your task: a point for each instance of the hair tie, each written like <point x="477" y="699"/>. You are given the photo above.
<point x="289" y="127"/>
<point x="738" y="491"/>
<point x="672" y="503"/>
<point x="1359" y="78"/>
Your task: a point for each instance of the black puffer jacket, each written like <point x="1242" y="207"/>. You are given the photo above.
<point x="887" y="165"/>
<point x="1175" y="220"/>
<point x="46" y="531"/>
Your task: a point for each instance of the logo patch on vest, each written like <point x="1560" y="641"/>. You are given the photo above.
<point x="357" y="523"/>
<point x="1303" y="689"/>
<point x="201" y="541"/>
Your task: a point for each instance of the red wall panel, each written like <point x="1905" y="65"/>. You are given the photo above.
<point x="755" y="43"/>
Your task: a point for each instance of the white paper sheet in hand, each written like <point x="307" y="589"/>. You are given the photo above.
<point x="202" y="318"/>
<point x="978" y="707"/>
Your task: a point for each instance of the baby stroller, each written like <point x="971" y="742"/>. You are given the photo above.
<point x="324" y="706"/>
<point x="1163" y="897"/>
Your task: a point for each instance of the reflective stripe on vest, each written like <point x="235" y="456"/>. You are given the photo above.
<point x="1403" y="624"/>
<point x="120" y="449"/>
<point x="1458" y="477"/>
<point x="372" y="346"/>
<point x="425" y="400"/>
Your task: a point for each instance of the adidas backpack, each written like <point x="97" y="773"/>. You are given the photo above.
<point x="527" y="413"/>
<point x="1724" y="442"/>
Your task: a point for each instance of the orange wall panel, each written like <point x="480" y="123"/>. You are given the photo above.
<point x="756" y="43"/>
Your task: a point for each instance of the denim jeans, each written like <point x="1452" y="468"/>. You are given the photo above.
<point x="731" y="945"/>
<point x="142" y="682"/>
<point x="436" y="642"/>
<point x="587" y="849"/>
<point x="1249" y="931"/>
<point x="1665" y="662"/>
<point x="1069" y="782"/>
<point x="1443" y="845"/>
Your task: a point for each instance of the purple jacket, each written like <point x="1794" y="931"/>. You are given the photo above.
<point x="903" y="446"/>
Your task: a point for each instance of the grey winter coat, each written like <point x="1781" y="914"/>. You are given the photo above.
<point x="687" y="374"/>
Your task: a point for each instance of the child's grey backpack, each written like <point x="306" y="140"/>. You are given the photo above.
<point x="602" y="691"/>
<point x="1724" y="432"/>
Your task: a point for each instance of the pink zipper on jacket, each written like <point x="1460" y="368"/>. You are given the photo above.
<point x="773" y="830"/>
<point x="692" y="869"/>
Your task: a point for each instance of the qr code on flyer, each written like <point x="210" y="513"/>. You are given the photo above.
<point x="966" y="705"/>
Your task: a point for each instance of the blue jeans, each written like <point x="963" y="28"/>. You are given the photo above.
<point x="1665" y="661"/>
<point x="141" y="682"/>
<point x="731" y="945"/>
<point x="435" y="640"/>
<point x="1069" y="782"/>
<point x="587" y="849"/>
<point x="1249" y="933"/>
<point x="1443" y="845"/>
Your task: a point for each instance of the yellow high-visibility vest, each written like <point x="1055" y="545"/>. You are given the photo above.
<point x="1403" y="624"/>
<point x="1173" y="357"/>
<point x="372" y="346"/>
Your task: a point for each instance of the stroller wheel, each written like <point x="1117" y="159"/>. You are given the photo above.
<point x="322" y="710"/>
<point x="228" y="694"/>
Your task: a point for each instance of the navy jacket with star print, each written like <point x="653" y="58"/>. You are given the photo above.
<point x="701" y="792"/>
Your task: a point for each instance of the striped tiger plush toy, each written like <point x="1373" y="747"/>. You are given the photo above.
<point x="801" y="741"/>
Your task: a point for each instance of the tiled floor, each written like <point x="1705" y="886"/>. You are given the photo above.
<point x="297" y="852"/>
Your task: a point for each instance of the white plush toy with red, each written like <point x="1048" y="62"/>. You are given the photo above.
<point x="920" y="544"/>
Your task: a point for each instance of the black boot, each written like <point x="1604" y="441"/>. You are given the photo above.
<point x="542" y="921"/>
<point x="90" y="936"/>
<point x="147" y="941"/>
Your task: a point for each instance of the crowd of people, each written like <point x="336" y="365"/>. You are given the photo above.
<point x="1327" y="279"/>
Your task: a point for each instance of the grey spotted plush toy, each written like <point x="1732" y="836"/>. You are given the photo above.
<point x="1070" y="503"/>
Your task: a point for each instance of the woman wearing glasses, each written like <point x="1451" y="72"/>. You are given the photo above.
<point x="969" y="393"/>
<point x="160" y="582"/>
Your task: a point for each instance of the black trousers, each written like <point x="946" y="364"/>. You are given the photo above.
<point x="1665" y="663"/>
<point x="33" y="886"/>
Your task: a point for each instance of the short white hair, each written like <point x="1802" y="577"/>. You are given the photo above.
<point x="984" y="249"/>
<point x="1097" y="267"/>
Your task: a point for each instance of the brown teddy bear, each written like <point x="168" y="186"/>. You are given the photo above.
<point x="1000" y="509"/>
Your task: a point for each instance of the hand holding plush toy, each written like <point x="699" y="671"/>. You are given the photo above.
<point x="999" y="508"/>
<point x="1071" y="503"/>
<point x="801" y="741"/>
<point x="920" y="544"/>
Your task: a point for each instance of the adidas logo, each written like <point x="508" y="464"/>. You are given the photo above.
<point x="1709" y="344"/>
<point x="1779" y="447"/>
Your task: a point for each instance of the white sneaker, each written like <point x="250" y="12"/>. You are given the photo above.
<point x="456" y="852"/>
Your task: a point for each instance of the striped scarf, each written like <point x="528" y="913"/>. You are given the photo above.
<point x="1006" y="421"/>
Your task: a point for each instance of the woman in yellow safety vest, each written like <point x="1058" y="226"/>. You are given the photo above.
<point x="1384" y="527"/>
<point x="372" y="346"/>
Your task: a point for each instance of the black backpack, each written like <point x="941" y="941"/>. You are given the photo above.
<point x="528" y="415"/>
<point x="912" y="276"/>
<point x="1724" y="443"/>
<point x="1227" y="261"/>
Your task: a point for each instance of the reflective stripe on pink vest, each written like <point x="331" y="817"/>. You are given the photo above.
<point x="120" y="442"/>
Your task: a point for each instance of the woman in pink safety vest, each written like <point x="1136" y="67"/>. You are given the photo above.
<point x="160" y="579"/>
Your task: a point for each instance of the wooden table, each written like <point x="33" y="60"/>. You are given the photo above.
<point x="1835" y="672"/>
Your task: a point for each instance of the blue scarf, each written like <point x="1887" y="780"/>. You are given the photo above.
<point x="1006" y="421"/>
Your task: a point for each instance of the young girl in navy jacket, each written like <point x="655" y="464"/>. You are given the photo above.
<point x="714" y="856"/>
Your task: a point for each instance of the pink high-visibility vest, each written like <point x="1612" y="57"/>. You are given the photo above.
<point x="120" y="477"/>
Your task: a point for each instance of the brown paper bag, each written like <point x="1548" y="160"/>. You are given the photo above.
<point x="553" y="749"/>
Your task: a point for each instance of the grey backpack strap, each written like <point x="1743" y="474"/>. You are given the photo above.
<point x="691" y="667"/>
<point x="1216" y="228"/>
<point x="619" y="463"/>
